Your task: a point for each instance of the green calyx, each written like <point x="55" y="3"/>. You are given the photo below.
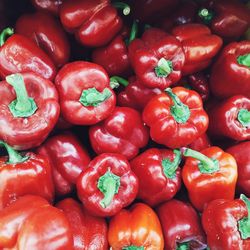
<point x="244" y="224"/>
<point x="133" y="32"/>
<point x="244" y="60"/>
<point x="170" y="167"/>
<point x="183" y="246"/>
<point x="206" y="165"/>
<point x="133" y="248"/>
<point x="164" y="68"/>
<point x="23" y="105"/>
<point x="244" y="117"/>
<point x="116" y="81"/>
<point x="123" y="6"/>
<point x="108" y="184"/>
<point x="5" y="34"/>
<point x="179" y="111"/>
<point x="206" y="15"/>
<point x="14" y="156"/>
<point x="92" y="97"/>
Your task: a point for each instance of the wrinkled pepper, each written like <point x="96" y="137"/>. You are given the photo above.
<point x="51" y="6"/>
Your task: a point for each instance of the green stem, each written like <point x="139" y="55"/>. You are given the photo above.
<point x="133" y="32"/>
<point x="123" y="6"/>
<point x="179" y="111"/>
<point x="23" y="105"/>
<point x="116" y="81"/>
<point x="170" y="167"/>
<point x="164" y="68"/>
<point x="244" y="60"/>
<point x="206" y="165"/>
<point x="183" y="246"/>
<point x="206" y="15"/>
<point x="244" y="117"/>
<point x="5" y="34"/>
<point x="244" y="224"/>
<point x="133" y="248"/>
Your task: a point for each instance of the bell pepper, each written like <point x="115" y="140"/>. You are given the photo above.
<point x="107" y="185"/>
<point x="89" y="232"/>
<point x="226" y="18"/>
<point x="94" y="23"/>
<point x="19" y="54"/>
<point x="47" y="33"/>
<point x="157" y="58"/>
<point x="181" y="226"/>
<point x="241" y="154"/>
<point x="226" y="224"/>
<point x="158" y="173"/>
<point x="122" y="132"/>
<point x="200" y="46"/>
<point x="67" y="157"/>
<point x="51" y="6"/>
<point x="176" y="118"/>
<point x="230" y="74"/>
<point x="29" y="110"/>
<point x="85" y="95"/>
<point x="231" y="118"/>
<point x="31" y="223"/>
<point x="200" y="143"/>
<point x="209" y="175"/>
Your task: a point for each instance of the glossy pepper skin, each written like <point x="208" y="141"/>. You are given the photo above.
<point x="200" y="143"/>
<point x="19" y="54"/>
<point x="230" y="74"/>
<point x="31" y="223"/>
<point x="136" y="228"/>
<point x="29" y="109"/>
<point x="85" y="95"/>
<point x="67" y="157"/>
<point x="209" y="175"/>
<point x="122" y="132"/>
<point x="107" y="185"/>
<point x="181" y="226"/>
<point x="158" y="173"/>
<point x="47" y="33"/>
<point x="231" y="118"/>
<point x="176" y="118"/>
<point x="240" y="152"/>
<point x="51" y="6"/>
<point x="226" y="224"/>
<point x="199" y="45"/>
<point x="89" y="232"/>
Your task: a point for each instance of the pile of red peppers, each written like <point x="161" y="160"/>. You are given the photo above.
<point x="125" y="125"/>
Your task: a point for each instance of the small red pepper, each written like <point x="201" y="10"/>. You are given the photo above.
<point x="200" y="143"/>
<point x="85" y="95"/>
<point x="122" y="132"/>
<point x="107" y="185"/>
<point x="29" y="110"/>
<point x="181" y="226"/>
<point x="209" y="175"/>
<point x="199" y="45"/>
<point x="51" y="6"/>
<point x="89" y="232"/>
<point x="158" y="173"/>
<point x="226" y="224"/>
<point x="176" y="118"/>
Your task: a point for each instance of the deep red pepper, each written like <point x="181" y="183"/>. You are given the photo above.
<point x="200" y="143"/>
<point x="226" y="224"/>
<point x="122" y="132"/>
<point x="199" y="45"/>
<point x="107" y="185"/>
<point x="181" y="226"/>
<point x="231" y="118"/>
<point x="89" y="232"/>
<point x="19" y="54"/>
<point x="158" y="173"/>
<point x="47" y="33"/>
<point x="85" y="95"/>
<point x="48" y="5"/>
<point x="68" y="158"/>
<point x="29" y="110"/>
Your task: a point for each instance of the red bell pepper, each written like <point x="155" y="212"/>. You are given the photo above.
<point x="19" y="54"/>
<point x="230" y="74"/>
<point x="88" y="232"/>
<point x="68" y="158"/>
<point x="85" y="95"/>
<point x="231" y="118"/>
<point x="241" y="154"/>
<point x="209" y="175"/>
<point x="122" y="132"/>
<point x="158" y="173"/>
<point x="107" y="185"/>
<point x="136" y="229"/>
<point x="47" y="33"/>
<point x="51" y="6"/>
<point x="31" y="223"/>
<point x="200" y="46"/>
<point x="29" y="110"/>
<point x="157" y="58"/>
<point x="226" y="224"/>
<point x="181" y="226"/>
<point x="200" y="143"/>
<point x="95" y="23"/>
<point x="176" y="118"/>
